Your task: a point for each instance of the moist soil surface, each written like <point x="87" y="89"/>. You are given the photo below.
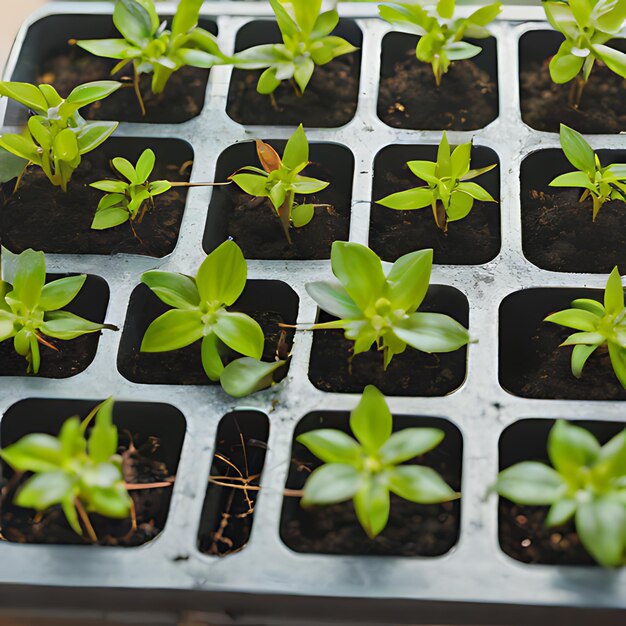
<point x="44" y="217"/>
<point x="330" y="99"/>
<point x="524" y="536"/>
<point x="141" y="464"/>
<point x="409" y="98"/>
<point x="559" y="234"/>
<point x="471" y="241"/>
<point x="545" y="105"/>
<point x="253" y="224"/>
<point x="182" y="99"/>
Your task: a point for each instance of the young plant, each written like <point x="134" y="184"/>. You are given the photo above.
<point x="280" y="180"/>
<point x="600" y="326"/>
<point x="123" y="200"/>
<point x="367" y="469"/>
<point x="586" y="25"/>
<point x="447" y="190"/>
<point x="601" y="183"/>
<point x="151" y="47"/>
<point x="199" y="313"/>
<point x="30" y="309"/>
<point x="587" y="483"/>
<point x="80" y="472"/>
<point x="441" y="33"/>
<point x="56" y="136"/>
<point x="307" y="42"/>
<point x="378" y="307"/>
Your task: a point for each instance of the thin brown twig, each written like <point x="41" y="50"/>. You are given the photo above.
<point x="86" y="521"/>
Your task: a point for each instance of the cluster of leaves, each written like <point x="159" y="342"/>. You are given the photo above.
<point x="280" y="180"/>
<point x="447" y="189"/>
<point x="441" y="33"/>
<point x="367" y="469"/>
<point x="30" y="308"/>
<point x="599" y="326"/>
<point x="151" y="47"/>
<point x="199" y="313"/>
<point x="124" y="199"/>
<point x="378" y="307"/>
<point x="586" y="25"/>
<point x="600" y="183"/>
<point x="56" y="136"/>
<point x="587" y="483"/>
<point x="74" y="470"/>
<point x="307" y="42"/>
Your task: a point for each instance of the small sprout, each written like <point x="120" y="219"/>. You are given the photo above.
<point x="374" y="306"/>
<point x="56" y="136"/>
<point x="586" y="25"/>
<point x="30" y="309"/>
<point x="123" y="200"/>
<point x="446" y="191"/>
<point x="367" y="469"/>
<point x="199" y="312"/>
<point x="80" y="472"/>
<point x="280" y="180"/>
<point x="441" y="34"/>
<point x="601" y="183"/>
<point x="600" y="326"/>
<point x="587" y="483"/>
<point x="152" y="48"/>
<point x="307" y="42"/>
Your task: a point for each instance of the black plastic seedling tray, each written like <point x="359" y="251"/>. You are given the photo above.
<point x="266" y="582"/>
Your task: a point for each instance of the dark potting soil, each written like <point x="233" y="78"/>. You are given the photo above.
<point x="43" y="217"/>
<point x="559" y="234"/>
<point x="524" y="536"/>
<point x="330" y="99"/>
<point x="409" y="98"/>
<point x="182" y="99"/>
<point x="545" y="105"/>
<point x="254" y="225"/>
<point x="141" y="464"/>
<point x="470" y="241"/>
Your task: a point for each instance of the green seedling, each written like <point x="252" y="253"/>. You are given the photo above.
<point x="586" y="483"/>
<point x="30" y="309"/>
<point x="587" y="26"/>
<point x="56" y="136"/>
<point x="600" y="183"/>
<point x="600" y="326"/>
<point x="441" y="33"/>
<point x="80" y="472"/>
<point x="307" y="42"/>
<point x="152" y="48"/>
<point x="280" y="180"/>
<point x="378" y="307"/>
<point x="447" y="190"/>
<point x="199" y="314"/>
<point x="367" y="469"/>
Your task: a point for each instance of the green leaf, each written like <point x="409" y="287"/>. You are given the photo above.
<point x="475" y="191"/>
<point x="408" y="200"/>
<point x="432" y="332"/>
<point x="460" y="204"/>
<point x="109" y="48"/>
<point x="409" y="443"/>
<point x="223" y="274"/>
<point x="246" y="376"/>
<point x="112" y="502"/>
<point x="34" y="453"/>
<point x="44" y="490"/>
<point x="577" y="150"/>
<point x="531" y="483"/>
<point x="600" y="525"/>
<point x="561" y="512"/>
<point x="287" y="26"/>
<point x="92" y="92"/>
<point x="173" y="330"/>
<point x="126" y="169"/>
<point x="302" y="215"/>
<point x="30" y="277"/>
<point x="60" y="293"/>
<point x="93" y="134"/>
<point x="618" y="361"/>
<point x="110" y="186"/>
<point x="20" y="146"/>
<point x="575" y="318"/>
<point x="614" y="293"/>
<point x="332" y="446"/>
<point x="423" y="485"/>
<point x="11" y="166"/>
<point x="241" y="333"/>
<point x="460" y="50"/>
<point x="371" y="420"/>
<point x="186" y="17"/>
<point x="177" y="290"/>
<point x="571" y="447"/>
<point x="268" y="83"/>
<point x="426" y="170"/>
<point x="333" y="299"/>
<point x="486" y="14"/>
<point x="564" y="66"/>
<point x="135" y="21"/>
<point x="460" y="160"/>
<point x="109" y="218"/>
<point x="444" y="165"/>
<point x="593" y="306"/>
<point x="65" y="146"/>
<point x="409" y="279"/>
<point x="331" y="483"/>
<point x="253" y="184"/>
<point x="103" y="437"/>
<point x="145" y="165"/>
<point x="573" y="179"/>
<point x="211" y="357"/>
<point x="614" y="59"/>
<point x="25" y="94"/>
<point x="325" y="24"/>
<point x="303" y="73"/>
<point x="580" y="355"/>
<point x="305" y="185"/>
<point x="371" y="504"/>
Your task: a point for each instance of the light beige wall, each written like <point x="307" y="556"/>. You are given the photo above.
<point x="13" y="15"/>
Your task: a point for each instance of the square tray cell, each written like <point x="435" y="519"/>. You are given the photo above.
<point x="75" y="355"/>
<point x="532" y="364"/>
<point x="558" y="232"/>
<point x="409" y="97"/>
<point x="333" y="368"/>
<point x="253" y="223"/>
<point x="150" y="440"/>
<point x="413" y="529"/>
<point x="337" y="81"/>
<point x="470" y="241"/>
<point x="270" y="302"/>
<point x="41" y="216"/>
